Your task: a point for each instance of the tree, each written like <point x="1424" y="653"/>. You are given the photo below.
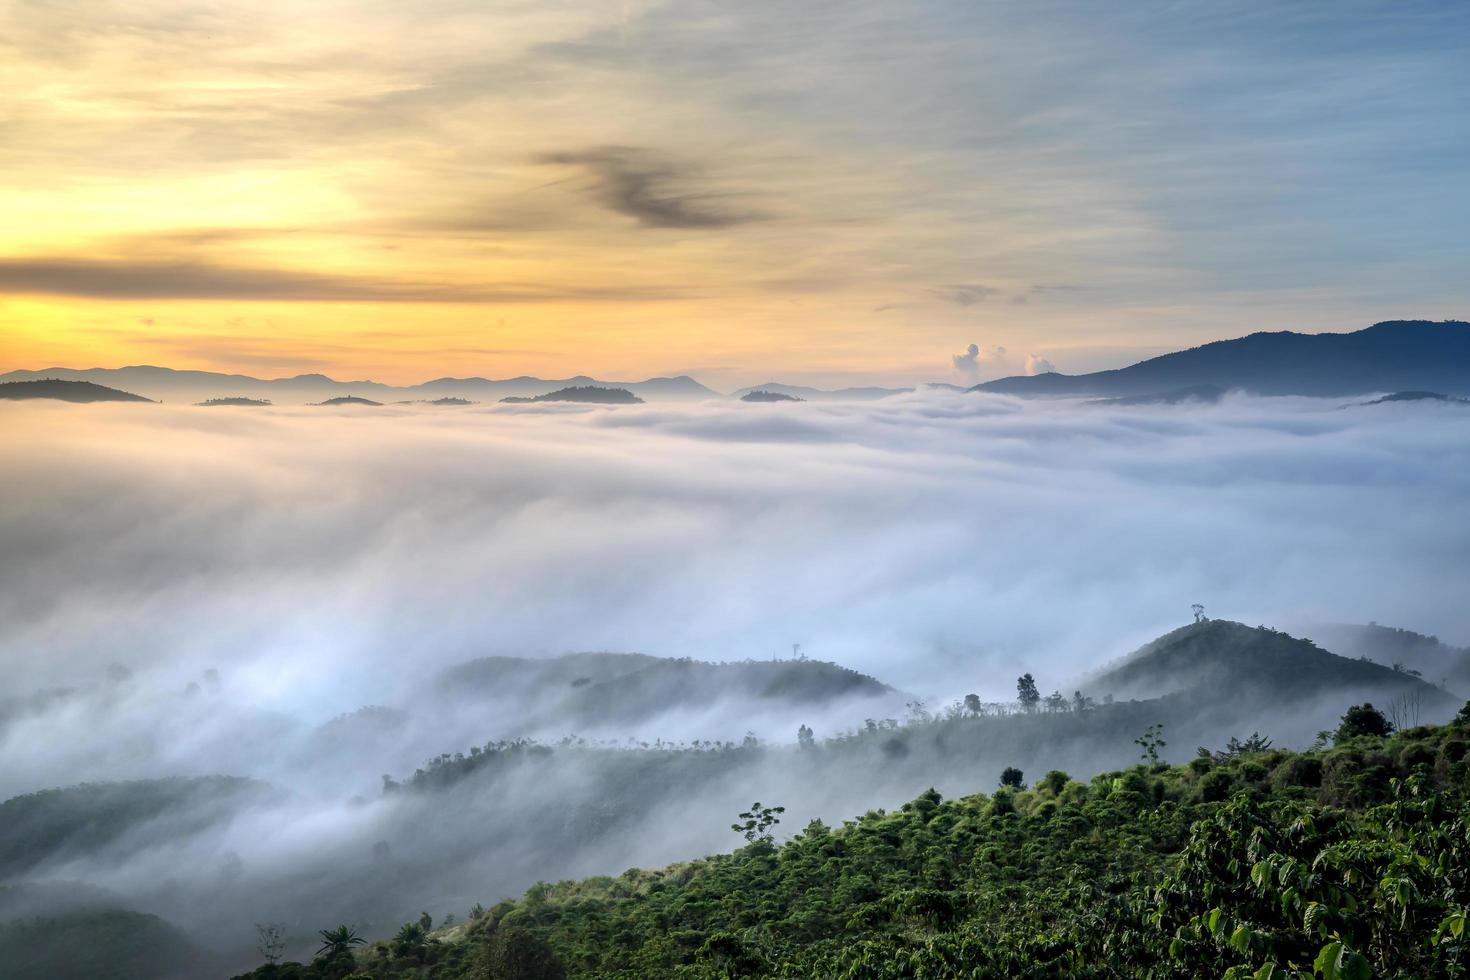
<point x="972" y="704"/>
<point x="1151" y="741"/>
<point x="411" y="941"/>
<point x="270" y="940"/>
<point x="426" y="921"/>
<point x="1055" y="702"/>
<point x="756" y="823"/>
<point x="516" y="953"/>
<point x="1363" y="719"/>
<point x="1080" y="701"/>
<point x="1026" y="692"/>
<point x="1199" y="612"/>
<point x="806" y="738"/>
<point x="336" y="942"/>
<point x="1013" y="778"/>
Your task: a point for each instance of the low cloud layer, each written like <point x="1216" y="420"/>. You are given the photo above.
<point x="218" y="589"/>
<point x="920" y="538"/>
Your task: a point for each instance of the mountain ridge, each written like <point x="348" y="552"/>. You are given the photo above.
<point x="1392" y="355"/>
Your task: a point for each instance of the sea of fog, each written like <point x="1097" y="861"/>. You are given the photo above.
<point x="218" y="583"/>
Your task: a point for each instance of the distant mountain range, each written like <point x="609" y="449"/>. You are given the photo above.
<point x="1396" y="355"/>
<point x="1417" y="359"/>
<point x="169" y="385"/>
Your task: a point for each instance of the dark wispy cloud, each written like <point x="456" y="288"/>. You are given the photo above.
<point x="965" y="293"/>
<point x="124" y="279"/>
<point x="649" y="188"/>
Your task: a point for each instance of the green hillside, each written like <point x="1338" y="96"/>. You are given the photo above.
<point x="96" y="819"/>
<point x="1222" y="657"/>
<point x="1349" y="861"/>
<point x="602" y="688"/>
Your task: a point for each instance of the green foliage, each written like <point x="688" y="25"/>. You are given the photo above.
<point x="756" y="823"/>
<point x="1363" y="719"/>
<point x="1349" y="862"/>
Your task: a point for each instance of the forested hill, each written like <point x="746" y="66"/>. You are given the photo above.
<point x="1227" y="659"/>
<point x="604" y="688"/>
<point x="1349" y="861"/>
<point x="1396" y="355"/>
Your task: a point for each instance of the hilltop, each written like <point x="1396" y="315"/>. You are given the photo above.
<point x="67" y="391"/>
<point x="609" y="688"/>
<point x="1219" y="659"/>
<point x="591" y="394"/>
<point x="351" y="400"/>
<point x="762" y="395"/>
<point x="1396" y="355"/>
<point x="235" y="401"/>
<point x="807" y="393"/>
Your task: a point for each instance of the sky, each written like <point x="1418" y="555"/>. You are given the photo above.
<point x="831" y="192"/>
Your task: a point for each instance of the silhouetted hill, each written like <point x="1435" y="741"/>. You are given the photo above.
<point x="769" y="396"/>
<point x="196" y="386"/>
<point x="234" y="401"/>
<point x="67" y="391"/>
<point x="805" y="393"/>
<point x="1396" y="355"/>
<point x="351" y="400"/>
<point x="591" y="394"/>
<point x="1224" y="661"/>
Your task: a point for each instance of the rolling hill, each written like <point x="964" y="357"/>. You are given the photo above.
<point x="67" y="391"/>
<point x="1222" y="661"/>
<point x="610" y="688"/>
<point x="588" y="394"/>
<point x="1396" y="355"/>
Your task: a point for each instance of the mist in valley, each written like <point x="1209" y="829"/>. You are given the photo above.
<point x="289" y="597"/>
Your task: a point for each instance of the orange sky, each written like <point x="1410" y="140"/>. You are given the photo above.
<point x="844" y="192"/>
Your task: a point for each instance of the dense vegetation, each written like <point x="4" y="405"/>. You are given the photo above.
<point x="103" y="818"/>
<point x="761" y="395"/>
<point x="1343" y="862"/>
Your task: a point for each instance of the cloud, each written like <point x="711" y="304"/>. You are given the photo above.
<point x="967" y="365"/>
<point x="1036" y="364"/>
<point x="640" y="184"/>
<point x="965" y="294"/>
<point x="943" y="541"/>
<point x="144" y="279"/>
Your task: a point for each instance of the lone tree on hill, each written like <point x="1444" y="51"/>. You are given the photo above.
<point x="1013" y="778"/>
<point x="1363" y="719"/>
<point x="756" y="823"/>
<point x="1151" y="741"/>
<point x="1026" y="692"/>
<point x="1199" y="612"/>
